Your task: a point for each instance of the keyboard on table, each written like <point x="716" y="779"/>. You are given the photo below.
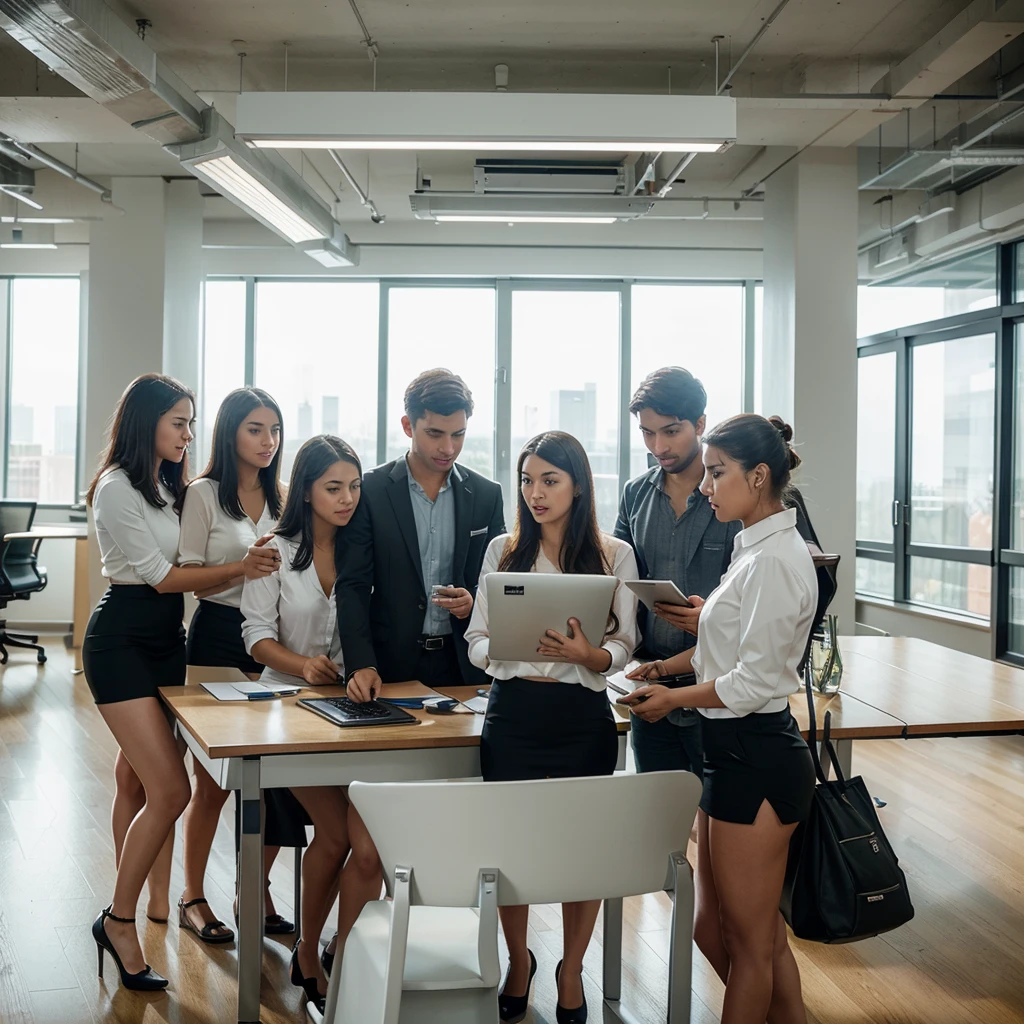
<point x="343" y="711"/>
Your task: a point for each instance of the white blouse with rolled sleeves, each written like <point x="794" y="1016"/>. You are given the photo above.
<point x="620" y="644"/>
<point x="209" y="536"/>
<point x="138" y="543"/>
<point x="754" y="626"/>
<point x="290" y="607"/>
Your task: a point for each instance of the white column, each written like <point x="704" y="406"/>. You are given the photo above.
<point x="810" y="340"/>
<point x="183" y="282"/>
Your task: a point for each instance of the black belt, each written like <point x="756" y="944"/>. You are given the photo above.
<point x="434" y="643"/>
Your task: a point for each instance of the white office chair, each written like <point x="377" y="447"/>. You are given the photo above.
<point x="454" y="852"/>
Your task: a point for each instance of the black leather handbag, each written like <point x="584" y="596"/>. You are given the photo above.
<point x="843" y="880"/>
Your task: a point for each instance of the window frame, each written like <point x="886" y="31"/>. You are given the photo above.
<point x="1001" y="321"/>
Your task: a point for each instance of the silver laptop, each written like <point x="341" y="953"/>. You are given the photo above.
<point x="521" y="606"/>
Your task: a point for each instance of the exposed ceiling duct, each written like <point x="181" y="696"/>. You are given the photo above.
<point x="931" y="169"/>
<point x="454" y="207"/>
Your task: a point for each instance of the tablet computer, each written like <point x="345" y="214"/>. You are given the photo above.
<point x="521" y="606"/>
<point x="651" y="591"/>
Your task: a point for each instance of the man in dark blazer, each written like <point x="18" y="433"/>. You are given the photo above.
<point x="409" y="561"/>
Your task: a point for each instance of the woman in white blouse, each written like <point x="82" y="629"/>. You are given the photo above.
<point x="234" y="502"/>
<point x="758" y="776"/>
<point x="291" y="627"/>
<point x="550" y="718"/>
<point x="135" y="643"/>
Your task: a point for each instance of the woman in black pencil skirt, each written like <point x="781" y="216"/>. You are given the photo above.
<point x="758" y="777"/>
<point x="135" y="643"/>
<point x="550" y="718"/>
<point x="234" y="502"/>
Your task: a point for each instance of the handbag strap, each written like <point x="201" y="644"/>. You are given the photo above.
<point x="826" y="739"/>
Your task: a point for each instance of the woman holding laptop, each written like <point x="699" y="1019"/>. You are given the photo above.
<point x="550" y="718"/>
<point x="291" y="627"/>
<point x="758" y="776"/>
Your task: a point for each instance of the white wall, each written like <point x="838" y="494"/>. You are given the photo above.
<point x="936" y="628"/>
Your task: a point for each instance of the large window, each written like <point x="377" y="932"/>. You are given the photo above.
<point x="699" y="328"/>
<point x="42" y="400"/>
<point x="432" y="327"/>
<point x="940" y="469"/>
<point x="316" y="353"/>
<point x="223" y="357"/>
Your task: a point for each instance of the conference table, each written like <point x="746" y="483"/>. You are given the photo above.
<point x="893" y="688"/>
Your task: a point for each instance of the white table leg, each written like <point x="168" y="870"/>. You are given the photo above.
<point x="250" y="894"/>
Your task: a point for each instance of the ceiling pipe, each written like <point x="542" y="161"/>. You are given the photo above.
<point x="719" y="89"/>
<point x="26" y="151"/>
<point x="375" y="215"/>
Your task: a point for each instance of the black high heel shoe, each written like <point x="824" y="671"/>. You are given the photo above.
<point x="146" y="980"/>
<point x="308" y="985"/>
<point x="327" y="957"/>
<point x="512" y="1009"/>
<point x="563" y="1015"/>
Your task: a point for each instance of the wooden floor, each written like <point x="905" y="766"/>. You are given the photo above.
<point x="955" y="814"/>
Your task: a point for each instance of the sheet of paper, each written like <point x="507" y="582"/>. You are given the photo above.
<point x="241" y="691"/>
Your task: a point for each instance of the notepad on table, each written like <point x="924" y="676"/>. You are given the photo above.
<point x="250" y="691"/>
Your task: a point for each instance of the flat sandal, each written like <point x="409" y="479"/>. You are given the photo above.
<point x="208" y="933"/>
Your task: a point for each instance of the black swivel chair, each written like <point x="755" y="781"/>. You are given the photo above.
<point x="20" y="574"/>
<point x="825" y="570"/>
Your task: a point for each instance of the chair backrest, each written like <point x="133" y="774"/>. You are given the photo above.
<point x="18" y="572"/>
<point x="825" y="570"/>
<point x="16" y="517"/>
<point x="554" y="840"/>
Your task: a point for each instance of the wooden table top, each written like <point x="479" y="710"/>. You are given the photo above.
<point x="934" y="690"/>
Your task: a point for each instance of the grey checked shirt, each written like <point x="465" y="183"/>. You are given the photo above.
<point x="435" y="532"/>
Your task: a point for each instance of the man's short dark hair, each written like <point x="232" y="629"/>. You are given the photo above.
<point x="439" y="391"/>
<point x="671" y="391"/>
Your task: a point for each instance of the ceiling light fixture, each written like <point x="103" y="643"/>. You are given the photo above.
<point x="264" y="185"/>
<point x="482" y="122"/>
<point x="17" y="243"/>
<point x="469" y="207"/>
<point x="20" y="196"/>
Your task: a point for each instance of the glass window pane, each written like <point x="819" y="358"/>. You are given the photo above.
<point x="876" y="445"/>
<point x="959" y="286"/>
<point x="875" y="577"/>
<point x="952" y="442"/>
<point x="43" y="436"/>
<point x="1017" y="493"/>
<point x="759" y="348"/>
<point x="699" y="327"/>
<point x="957" y="586"/>
<point x="223" y="357"/>
<point x="1015" y="639"/>
<point x="565" y="373"/>
<point x="1018" y="284"/>
<point x="316" y="353"/>
<point x="453" y="328"/>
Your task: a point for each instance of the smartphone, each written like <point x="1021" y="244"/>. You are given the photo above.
<point x="435" y="590"/>
<point x="632" y="703"/>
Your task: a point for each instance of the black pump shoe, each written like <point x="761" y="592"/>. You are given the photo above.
<point x="327" y="957"/>
<point x="146" y="980"/>
<point x="512" y="1009"/>
<point x="308" y="985"/>
<point x="563" y="1015"/>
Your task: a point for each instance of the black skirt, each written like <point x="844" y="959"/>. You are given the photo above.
<point x="752" y="759"/>
<point x="215" y="638"/>
<point x="134" y="643"/>
<point x="546" y="731"/>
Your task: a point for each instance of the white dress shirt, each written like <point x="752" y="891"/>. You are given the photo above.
<point x="138" y="543"/>
<point x="619" y="645"/>
<point x="754" y="626"/>
<point x="209" y="536"/>
<point x="291" y="608"/>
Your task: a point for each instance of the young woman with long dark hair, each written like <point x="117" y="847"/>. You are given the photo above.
<point x="550" y="718"/>
<point x="291" y="628"/>
<point x="758" y="776"/>
<point x="135" y="643"/>
<point x="235" y="501"/>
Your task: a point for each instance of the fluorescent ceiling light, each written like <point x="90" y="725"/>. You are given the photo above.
<point x="27" y="245"/>
<point x="332" y="252"/>
<point x="487" y="121"/>
<point x="496" y="208"/>
<point x="519" y="219"/>
<point x="264" y="185"/>
<point x="21" y="197"/>
<point x="37" y="220"/>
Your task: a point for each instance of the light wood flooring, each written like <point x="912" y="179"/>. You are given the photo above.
<point x="955" y="814"/>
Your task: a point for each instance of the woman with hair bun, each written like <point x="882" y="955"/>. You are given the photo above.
<point x="758" y="776"/>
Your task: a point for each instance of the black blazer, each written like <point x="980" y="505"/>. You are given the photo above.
<point x="380" y="593"/>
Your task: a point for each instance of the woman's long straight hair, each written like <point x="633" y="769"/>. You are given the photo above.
<point x="582" y="550"/>
<point x="223" y="465"/>
<point x="312" y="460"/>
<point x="132" y="444"/>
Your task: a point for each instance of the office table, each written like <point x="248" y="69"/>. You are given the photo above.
<point x="81" y="609"/>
